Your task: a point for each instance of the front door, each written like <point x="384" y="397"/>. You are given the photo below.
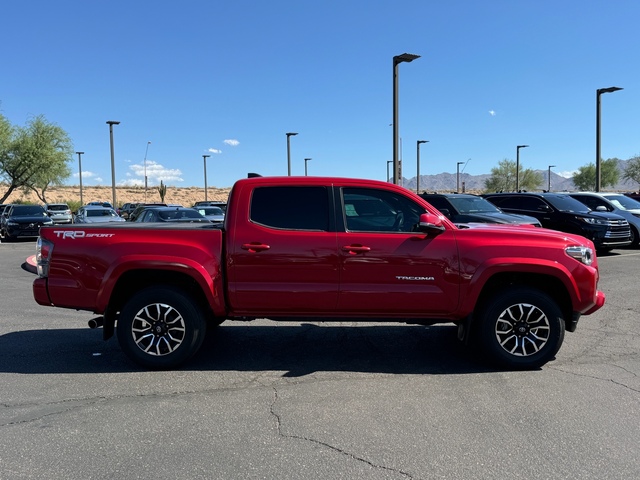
<point x="389" y="268"/>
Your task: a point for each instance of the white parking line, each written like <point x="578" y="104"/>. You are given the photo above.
<point x="619" y="255"/>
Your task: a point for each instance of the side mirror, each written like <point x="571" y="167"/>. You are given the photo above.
<point x="544" y="208"/>
<point x="601" y="208"/>
<point x="430" y="223"/>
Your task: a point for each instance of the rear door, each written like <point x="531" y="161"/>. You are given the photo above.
<point x="283" y="253"/>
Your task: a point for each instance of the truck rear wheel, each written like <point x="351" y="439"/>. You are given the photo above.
<point x="522" y="328"/>
<point x="160" y="328"/>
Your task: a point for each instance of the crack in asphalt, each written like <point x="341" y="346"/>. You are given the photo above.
<point x="595" y="377"/>
<point x="55" y="408"/>
<point x="278" y="421"/>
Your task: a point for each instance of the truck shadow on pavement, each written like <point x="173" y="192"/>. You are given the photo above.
<point x="295" y="349"/>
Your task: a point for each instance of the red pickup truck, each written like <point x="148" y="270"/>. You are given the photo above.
<point x="322" y="249"/>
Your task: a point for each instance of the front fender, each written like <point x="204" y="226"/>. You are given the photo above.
<point x="580" y="282"/>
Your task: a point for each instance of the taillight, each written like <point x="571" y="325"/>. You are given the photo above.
<point x="44" y="248"/>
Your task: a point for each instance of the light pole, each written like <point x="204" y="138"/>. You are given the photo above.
<point x="418" y="164"/>
<point x="458" y="176"/>
<point x="145" y="171"/>
<point x="80" y="174"/>
<point x="398" y="59"/>
<point x="599" y="92"/>
<point x="305" y="166"/>
<point x="289" y="135"/>
<point x="518" y="166"/>
<point x="389" y="162"/>
<point x="204" y="158"/>
<point x="111" y="123"/>
<point x="549" y="175"/>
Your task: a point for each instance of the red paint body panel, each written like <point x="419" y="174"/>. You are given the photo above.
<point x="249" y="270"/>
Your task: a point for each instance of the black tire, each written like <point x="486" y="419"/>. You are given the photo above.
<point x="521" y="328"/>
<point x="161" y="328"/>
<point x="635" y="237"/>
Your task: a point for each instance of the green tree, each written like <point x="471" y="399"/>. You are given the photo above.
<point x="585" y="178"/>
<point x="503" y="178"/>
<point x="34" y="157"/>
<point x="632" y="171"/>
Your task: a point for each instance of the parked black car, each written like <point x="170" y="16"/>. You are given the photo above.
<point x="141" y="206"/>
<point x="466" y="208"/>
<point x="212" y="203"/>
<point x="170" y="215"/>
<point x="23" y="221"/>
<point x="126" y="209"/>
<point x="561" y="212"/>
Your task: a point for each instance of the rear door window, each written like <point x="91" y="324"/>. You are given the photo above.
<point x="291" y="208"/>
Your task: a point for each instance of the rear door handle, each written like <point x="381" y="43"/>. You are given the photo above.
<point x="255" y="247"/>
<point x="354" y="249"/>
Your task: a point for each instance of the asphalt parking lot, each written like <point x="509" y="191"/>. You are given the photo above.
<point x="266" y="400"/>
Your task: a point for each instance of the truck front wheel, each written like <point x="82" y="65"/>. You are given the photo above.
<point x="160" y="328"/>
<point x="521" y="328"/>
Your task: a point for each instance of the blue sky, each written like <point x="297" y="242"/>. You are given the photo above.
<point x="230" y="79"/>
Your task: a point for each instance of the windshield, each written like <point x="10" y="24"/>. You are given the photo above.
<point x="58" y="208"/>
<point x="565" y="203"/>
<point x="28" y="210"/>
<point x="210" y="211"/>
<point x="623" y="202"/>
<point x="473" y="205"/>
<point x="178" y="214"/>
<point x="103" y="212"/>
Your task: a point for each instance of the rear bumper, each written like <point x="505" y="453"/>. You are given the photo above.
<point x="40" y="293"/>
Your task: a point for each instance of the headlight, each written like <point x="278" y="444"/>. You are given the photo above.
<point x="593" y="221"/>
<point x="582" y="254"/>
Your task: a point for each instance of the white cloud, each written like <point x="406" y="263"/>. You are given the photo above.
<point x="232" y="142"/>
<point x="155" y="173"/>
<point x="492" y="113"/>
<point x="214" y="150"/>
<point x="85" y="175"/>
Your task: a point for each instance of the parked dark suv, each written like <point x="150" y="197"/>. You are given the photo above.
<point x="559" y="211"/>
<point x="23" y="221"/>
<point x="466" y="208"/>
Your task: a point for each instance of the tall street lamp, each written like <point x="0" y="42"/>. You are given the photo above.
<point x="305" y="166"/>
<point x="418" y="164"/>
<point x="80" y="174"/>
<point x="145" y="171"/>
<point x="204" y="158"/>
<point x="111" y="123"/>
<point x="549" y="177"/>
<point x="458" y="176"/>
<point x="518" y="166"/>
<point x="398" y="59"/>
<point x="389" y="162"/>
<point x="599" y="92"/>
<point x="289" y="135"/>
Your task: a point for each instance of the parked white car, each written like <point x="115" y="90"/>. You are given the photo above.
<point x="59" y="212"/>
<point x="97" y="214"/>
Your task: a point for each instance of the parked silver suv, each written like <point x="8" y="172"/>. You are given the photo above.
<point x="59" y="212"/>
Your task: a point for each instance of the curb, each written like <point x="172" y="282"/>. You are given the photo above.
<point x="30" y="264"/>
